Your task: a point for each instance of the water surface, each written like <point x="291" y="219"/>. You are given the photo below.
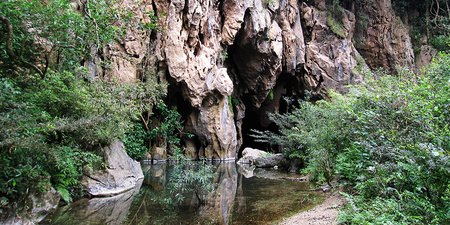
<point x="240" y="196"/>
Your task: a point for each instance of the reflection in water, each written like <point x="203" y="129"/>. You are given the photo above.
<point x="265" y="197"/>
<point x="108" y="210"/>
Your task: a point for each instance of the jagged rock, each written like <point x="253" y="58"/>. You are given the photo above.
<point x="385" y="40"/>
<point x="226" y="58"/>
<point x="122" y="173"/>
<point x="330" y="58"/>
<point x="258" y="52"/>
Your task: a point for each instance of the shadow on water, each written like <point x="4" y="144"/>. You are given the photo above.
<point x="240" y="196"/>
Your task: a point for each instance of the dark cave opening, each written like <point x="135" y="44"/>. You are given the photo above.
<point x="258" y="119"/>
<point x="183" y="106"/>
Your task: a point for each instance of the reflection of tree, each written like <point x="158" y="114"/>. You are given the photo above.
<point x="167" y="192"/>
<point x="189" y="177"/>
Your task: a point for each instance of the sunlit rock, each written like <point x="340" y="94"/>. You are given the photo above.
<point x="122" y="173"/>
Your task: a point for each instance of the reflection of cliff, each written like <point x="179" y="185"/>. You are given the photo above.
<point x="217" y="209"/>
<point x="240" y="206"/>
<point x="221" y="201"/>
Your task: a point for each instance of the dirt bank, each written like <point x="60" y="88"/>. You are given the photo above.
<point x="323" y="214"/>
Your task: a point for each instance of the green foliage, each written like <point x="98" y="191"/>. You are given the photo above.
<point x="335" y="16"/>
<point x="441" y="42"/>
<point x="230" y="104"/>
<point x="266" y="154"/>
<point x="167" y="126"/>
<point x="54" y="117"/>
<point x="389" y="139"/>
<point x="136" y="141"/>
<point x="42" y="29"/>
<point x="336" y="26"/>
<point x="54" y="127"/>
<point x="271" y="94"/>
<point x="189" y="177"/>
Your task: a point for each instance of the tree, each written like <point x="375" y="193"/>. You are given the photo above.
<point x="57" y="34"/>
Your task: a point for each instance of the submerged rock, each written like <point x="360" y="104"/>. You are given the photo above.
<point x="122" y="173"/>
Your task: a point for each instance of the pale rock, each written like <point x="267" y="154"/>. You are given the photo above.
<point x="122" y="173"/>
<point x="249" y="155"/>
<point x="427" y="53"/>
<point x="262" y="40"/>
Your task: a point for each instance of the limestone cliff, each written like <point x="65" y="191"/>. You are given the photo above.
<point x="229" y="62"/>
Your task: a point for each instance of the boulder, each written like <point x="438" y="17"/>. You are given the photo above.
<point x="259" y="159"/>
<point x="122" y="173"/>
<point x="249" y="155"/>
<point x="270" y="161"/>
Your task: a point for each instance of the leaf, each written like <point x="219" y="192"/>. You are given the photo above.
<point x="65" y="195"/>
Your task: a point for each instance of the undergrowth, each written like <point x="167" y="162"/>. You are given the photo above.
<point x="388" y="139"/>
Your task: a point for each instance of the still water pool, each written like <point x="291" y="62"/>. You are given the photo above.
<point x="240" y="195"/>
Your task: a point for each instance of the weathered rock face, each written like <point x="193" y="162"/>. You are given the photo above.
<point x="384" y="40"/>
<point x="427" y="53"/>
<point x="122" y="173"/>
<point x="230" y="57"/>
<point x="330" y="58"/>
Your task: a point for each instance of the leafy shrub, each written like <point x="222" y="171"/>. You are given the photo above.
<point x="53" y="116"/>
<point x="136" y="141"/>
<point x="53" y="129"/>
<point x="441" y="42"/>
<point x="389" y="140"/>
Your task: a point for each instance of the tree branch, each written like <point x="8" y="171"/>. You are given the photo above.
<point x="9" y="48"/>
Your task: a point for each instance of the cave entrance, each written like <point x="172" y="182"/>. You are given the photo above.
<point x="252" y="122"/>
<point x="258" y="118"/>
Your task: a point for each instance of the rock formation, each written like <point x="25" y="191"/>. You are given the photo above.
<point x="229" y="62"/>
<point x="383" y="39"/>
<point x="122" y="173"/>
